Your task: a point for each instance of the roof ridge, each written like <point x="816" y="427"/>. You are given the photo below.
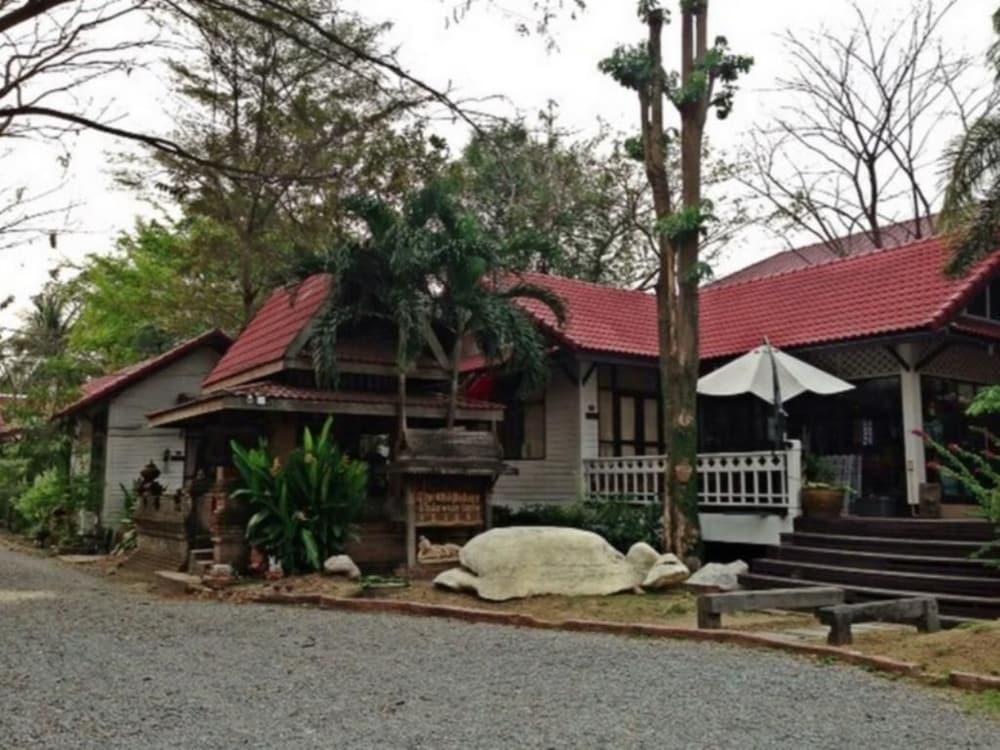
<point x="853" y="257"/>
<point x="585" y="282"/>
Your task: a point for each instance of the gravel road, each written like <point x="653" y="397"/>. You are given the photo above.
<point x="88" y="664"/>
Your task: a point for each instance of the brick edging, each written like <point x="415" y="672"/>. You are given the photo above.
<point x="974" y="682"/>
<point x="731" y="637"/>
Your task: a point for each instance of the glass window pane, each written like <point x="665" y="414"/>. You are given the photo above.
<point x="628" y="450"/>
<point x="995" y="300"/>
<point x="978" y="306"/>
<point x="534" y="430"/>
<point x="627" y="410"/>
<point x="650" y="427"/>
<point x="606" y="416"/>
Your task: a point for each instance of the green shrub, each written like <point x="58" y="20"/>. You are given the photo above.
<point x="306" y="510"/>
<point x="621" y="522"/>
<point x="50" y="505"/>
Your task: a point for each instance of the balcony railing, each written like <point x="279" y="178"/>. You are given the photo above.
<point x="758" y="481"/>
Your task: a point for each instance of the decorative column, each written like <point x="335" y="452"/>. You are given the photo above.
<point x="913" y="419"/>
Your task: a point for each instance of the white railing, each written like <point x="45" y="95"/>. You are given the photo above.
<point x="633" y="478"/>
<point x="758" y="481"/>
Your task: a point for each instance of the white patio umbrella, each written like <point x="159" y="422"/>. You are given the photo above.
<point x="772" y="375"/>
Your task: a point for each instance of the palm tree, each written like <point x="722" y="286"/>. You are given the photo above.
<point x="382" y="276"/>
<point x="426" y="265"/>
<point x="478" y="295"/>
<point x="971" y="211"/>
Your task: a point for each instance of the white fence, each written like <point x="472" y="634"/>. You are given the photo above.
<point x="760" y="481"/>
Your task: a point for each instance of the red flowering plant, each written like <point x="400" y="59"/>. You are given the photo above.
<point x="977" y="471"/>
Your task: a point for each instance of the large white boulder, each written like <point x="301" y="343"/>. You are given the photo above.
<point x="667" y="571"/>
<point x="718" y="577"/>
<point x="516" y="562"/>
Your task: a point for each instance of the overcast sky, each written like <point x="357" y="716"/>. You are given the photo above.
<point x="481" y="56"/>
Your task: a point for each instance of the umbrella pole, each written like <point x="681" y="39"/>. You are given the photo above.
<point x="779" y="429"/>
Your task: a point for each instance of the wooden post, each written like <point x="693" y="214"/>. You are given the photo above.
<point x="411" y="527"/>
<point x="913" y="419"/>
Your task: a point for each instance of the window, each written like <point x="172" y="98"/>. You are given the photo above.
<point x="628" y="411"/>
<point x="523" y="430"/>
<point x="987" y="303"/>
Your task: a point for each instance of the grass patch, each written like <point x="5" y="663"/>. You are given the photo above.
<point x="986" y="702"/>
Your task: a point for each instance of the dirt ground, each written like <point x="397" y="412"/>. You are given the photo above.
<point x="967" y="648"/>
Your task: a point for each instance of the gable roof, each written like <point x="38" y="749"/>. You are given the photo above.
<point x="105" y="386"/>
<point x="877" y="293"/>
<point x="893" y="235"/>
<point x="269" y="336"/>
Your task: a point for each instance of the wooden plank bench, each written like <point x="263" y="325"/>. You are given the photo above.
<point x="711" y="607"/>
<point x="921" y="611"/>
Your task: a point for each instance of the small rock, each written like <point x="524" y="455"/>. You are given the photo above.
<point x="718" y="577"/>
<point x="457" y="579"/>
<point x="342" y="565"/>
<point x="223" y="570"/>
<point x="667" y="571"/>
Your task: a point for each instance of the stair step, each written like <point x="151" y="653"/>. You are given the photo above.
<point x="887" y="561"/>
<point x="874" y="577"/>
<point x="969" y="530"/>
<point x="927" y="547"/>
<point x="952" y="605"/>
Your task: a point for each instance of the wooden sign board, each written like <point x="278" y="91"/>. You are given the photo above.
<point x="448" y="507"/>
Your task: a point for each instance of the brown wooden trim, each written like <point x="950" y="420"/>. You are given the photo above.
<point x="248" y="376"/>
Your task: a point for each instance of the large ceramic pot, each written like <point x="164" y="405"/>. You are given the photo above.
<point x="822" y="502"/>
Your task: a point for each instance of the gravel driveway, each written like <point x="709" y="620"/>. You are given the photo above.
<point x="88" y="664"/>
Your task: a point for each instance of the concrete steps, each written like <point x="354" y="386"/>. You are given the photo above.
<point x="882" y="558"/>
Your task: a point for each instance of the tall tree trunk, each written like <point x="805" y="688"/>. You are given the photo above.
<point x="456" y="357"/>
<point x="401" y="367"/>
<point x="682" y="374"/>
<point x="655" y="161"/>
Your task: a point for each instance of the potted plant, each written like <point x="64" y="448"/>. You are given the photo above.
<point x="822" y="496"/>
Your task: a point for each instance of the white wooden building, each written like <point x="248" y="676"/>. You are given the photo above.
<point x="917" y="345"/>
<point x="112" y="439"/>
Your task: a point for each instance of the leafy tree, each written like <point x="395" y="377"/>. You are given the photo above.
<point x="578" y="206"/>
<point x="426" y="267"/>
<point x="477" y="295"/>
<point x="971" y="213"/>
<point x="706" y="81"/>
<point x="575" y="205"/>
<point x="301" y="131"/>
<point x="379" y="274"/>
<point x="155" y="291"/>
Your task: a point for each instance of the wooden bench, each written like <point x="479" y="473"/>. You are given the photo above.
<point x="921" y="611"/>
<point x="711" y="607"/>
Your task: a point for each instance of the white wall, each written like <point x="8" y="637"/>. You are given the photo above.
<point x="557" y="477"/>
<point x="132" y="443"/>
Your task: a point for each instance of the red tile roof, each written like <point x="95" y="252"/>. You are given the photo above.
<point x="870" y="294"/>
<point x="273" y="329"/>
<point x="893" y="235"/>
<point x="99" y="388"/>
